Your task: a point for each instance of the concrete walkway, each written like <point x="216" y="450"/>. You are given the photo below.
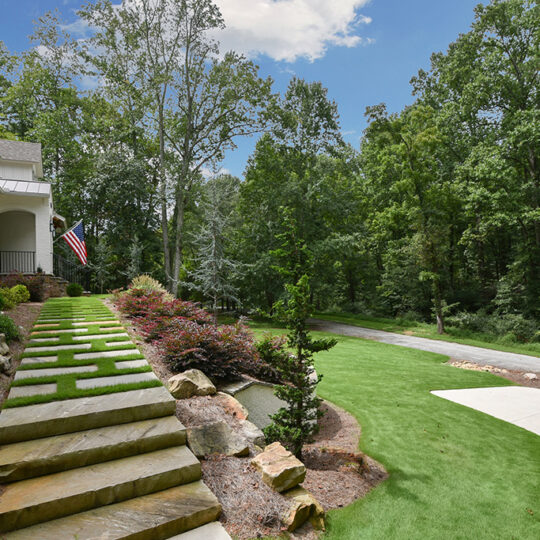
<point x="478" y="355"/>
<point x="517" y="405"/>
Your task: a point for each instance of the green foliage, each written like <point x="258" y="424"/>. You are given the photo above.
<point x="295" y="425"/>
<point x="74" y="289"/>
<point x="20" y="293"/>
<point x="7" y="298"/>
<point x="8" y="327"/>
<point x="147" y="284"/>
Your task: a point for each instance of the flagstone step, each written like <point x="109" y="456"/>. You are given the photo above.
<point x="28" y="459"/>
<point x="64" y="331"/>
<point x="54" y="348"/>
<point x="87" y="337"/>
<point x="31" y="390"/>
<point x="156" y="516"/>
<point x="51" y="372"/>
<point x="41" y="499"/>
<point x="59" y="417"/>
<point x="128" y="378"/>
<point x="210" y="531"/>
<point x="81" y="356"/>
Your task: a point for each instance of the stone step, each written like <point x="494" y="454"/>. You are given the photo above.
<point x="28" y="459"/>
<point x="151" y="517"/>
<point x="210" y="531"/>
<point x="45" y="498"/>
<point x="59" y="417"/>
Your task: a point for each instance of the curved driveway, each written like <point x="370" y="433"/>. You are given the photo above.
<point x="478" y="355"/>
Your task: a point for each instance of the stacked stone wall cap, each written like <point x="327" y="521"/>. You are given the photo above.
<point x="192" y="382"/>
<point x="280" y="469"/>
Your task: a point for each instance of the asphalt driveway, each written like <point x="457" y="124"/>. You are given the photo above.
<point x="478" y="355"/>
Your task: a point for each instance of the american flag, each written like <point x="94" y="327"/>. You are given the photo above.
<point x="75" y="240"/>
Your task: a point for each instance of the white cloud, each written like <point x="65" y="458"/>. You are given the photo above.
<point x="286" y="30"/>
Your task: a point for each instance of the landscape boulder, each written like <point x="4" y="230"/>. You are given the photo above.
<point x="233" y="406"/>
<point x="530" y="376"/>
<point x="4" y="349"/>
<point x="190" y="383"/>
<point x="5" y="364"/>
<point x="216" y="438"/>
<point x="303" y="507"/>
<point x="252" y="433"/>
<point x="280" y="469"/>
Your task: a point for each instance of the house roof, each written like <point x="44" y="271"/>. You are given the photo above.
<point x="21" y="151"/>
<point x="23" y="187"/>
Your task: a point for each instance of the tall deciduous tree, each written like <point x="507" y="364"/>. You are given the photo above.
<point x="158" y="56"/>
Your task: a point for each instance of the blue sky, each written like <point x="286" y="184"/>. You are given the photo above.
<point x="364" y="52"/>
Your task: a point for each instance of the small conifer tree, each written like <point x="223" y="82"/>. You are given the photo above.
<point x="296" y="424"/>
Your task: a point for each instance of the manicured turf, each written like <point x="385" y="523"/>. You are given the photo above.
<point x="455" y="473"/>
<point x="91" y="310"/>
<point x="425" y="330"/>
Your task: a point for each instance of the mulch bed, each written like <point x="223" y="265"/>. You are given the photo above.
<point x="24" y="316"/>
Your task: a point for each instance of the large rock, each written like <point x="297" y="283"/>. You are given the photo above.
<point x="304" y="506"/>
<point x="5" y="364"/>
<point x="252" y="433"/>
<point x="216" y="438"/>
<point x="279" y="468"/>
<point x="233" y="406"/>
<point x="190" y="383"/>
<point x="4" y="349"/>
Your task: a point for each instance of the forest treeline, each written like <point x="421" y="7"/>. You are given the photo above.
<point x="437" y="213"/>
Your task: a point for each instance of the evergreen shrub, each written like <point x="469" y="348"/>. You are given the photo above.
<point x="20" y="293"/>
<point x="74" y="289"/>
<point x="8" y="300"/>
<point x="8" y="327"/>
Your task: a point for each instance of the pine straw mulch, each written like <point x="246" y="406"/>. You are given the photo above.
<point x="24" y="316"/>
<point x="337" y="474"/>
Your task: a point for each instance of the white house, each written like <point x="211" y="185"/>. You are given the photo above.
<point x="27" y="218"/>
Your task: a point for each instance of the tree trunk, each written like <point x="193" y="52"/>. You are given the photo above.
<point x="163" y="193"/>
<point x="437" y="300"/>
<point x="180" y="207"/>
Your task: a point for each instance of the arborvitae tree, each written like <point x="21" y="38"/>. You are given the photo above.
<point x="295" y="425"/>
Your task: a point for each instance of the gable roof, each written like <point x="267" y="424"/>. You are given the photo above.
<point x="20" y="151"/>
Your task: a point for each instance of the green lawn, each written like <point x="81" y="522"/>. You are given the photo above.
<point x="454" y="472"/>
<point x="420" y="329"/>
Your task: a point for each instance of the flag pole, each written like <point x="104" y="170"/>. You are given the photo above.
<point x="70" y="229"/>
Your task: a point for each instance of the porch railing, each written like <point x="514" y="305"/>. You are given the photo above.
<point x="17" y="261"/>
<point x="70" y="271"/>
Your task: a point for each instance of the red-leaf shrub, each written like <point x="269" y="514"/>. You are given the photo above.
<point x="188" y="339"/>
<point x="219" y="351"/>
